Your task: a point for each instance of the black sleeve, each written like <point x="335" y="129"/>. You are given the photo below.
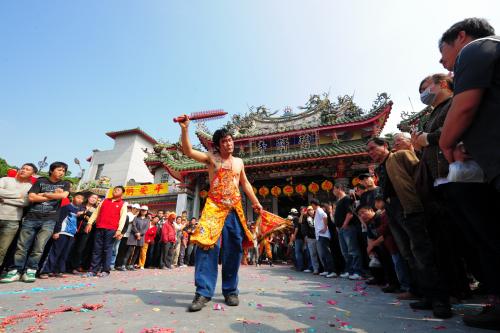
<point x="35" y="188"/>
<point x="475" y="65"/>
<point x="63" y="214"/>
<point x="67" y="186"/>
<point x="125" y="226"/>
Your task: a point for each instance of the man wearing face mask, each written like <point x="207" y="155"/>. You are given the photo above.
<point x="437" y="91"/>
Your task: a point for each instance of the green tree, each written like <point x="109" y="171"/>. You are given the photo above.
<point x="4" y="167"/>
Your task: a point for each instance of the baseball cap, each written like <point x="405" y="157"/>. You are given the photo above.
<point x="136" y="206"/>
<point x="144" y="207"/>
<point x="293" y="211"/>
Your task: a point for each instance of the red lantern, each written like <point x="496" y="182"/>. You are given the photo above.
<point x="300" y="189"/>
<point x="327" y="186"/>
<point x="313" y="188"/>
<point x="276" y="191"/>
<point x="264" y="191"/>
<point x="203" y="194"/>
<point x="288" y="190"/>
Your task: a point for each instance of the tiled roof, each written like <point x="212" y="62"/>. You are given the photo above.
<point x="343" y="120"/>
<point x="324" y="151"/>
<point x="405" y="124"/>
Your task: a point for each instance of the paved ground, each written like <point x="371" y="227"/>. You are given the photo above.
<point x="273" y="299"/>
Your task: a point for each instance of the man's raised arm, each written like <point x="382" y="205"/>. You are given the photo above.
<point x="187" y="148"/>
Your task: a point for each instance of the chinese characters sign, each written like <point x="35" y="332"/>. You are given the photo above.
<point x="143" y="190"/>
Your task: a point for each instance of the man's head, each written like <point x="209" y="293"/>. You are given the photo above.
<point x="366" y="213"/>
<point x="26" y="171"/>
<point x="223" y="141"/>
<point x="339" y="190"/>
<point x="377" y="149"/>
<point x="178" y="219"/>
<point x="193" y="220"/>
<point x="314" y="203"/>
<point x="118" y="191"/>
<point x="460" y="34"/>
<point x="78" y="199"/>
<point x="402" y="141"/>
<point x="161" y="213"/>
<point x="435" y="88"/>
<point x="57" y="170"/>
<point x="155" y="220"/>
<point x="294" y="212"/>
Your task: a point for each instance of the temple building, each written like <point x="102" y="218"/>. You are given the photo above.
<point x="289" y="158"/>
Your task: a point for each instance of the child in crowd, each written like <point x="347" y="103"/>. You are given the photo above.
<point x="64" y="232"/>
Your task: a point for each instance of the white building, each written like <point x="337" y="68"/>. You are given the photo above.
<point x="123" y="163"/>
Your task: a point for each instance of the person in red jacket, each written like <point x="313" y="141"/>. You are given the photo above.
<point x="149" y="240"/>
<point x="168" y="239"/>
<point x="109" y="218"/>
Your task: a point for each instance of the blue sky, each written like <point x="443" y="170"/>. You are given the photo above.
<point x="72" y="70"/>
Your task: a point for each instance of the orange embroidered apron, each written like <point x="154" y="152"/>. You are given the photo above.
<point x="223" y="197"/>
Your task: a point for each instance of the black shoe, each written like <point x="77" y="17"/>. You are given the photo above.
<point x="372" y="282"/>
<point x="441" y="310"/>
<point x="232" y="300"/>
<point x="391" y="289"/>
<point x="489" y="318"/>
<point x="424" y="304"/>
<point x="199" y="303"/>
<point x="120" y="268"/>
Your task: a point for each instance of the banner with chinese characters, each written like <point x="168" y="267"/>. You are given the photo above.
<point x="142" y="190"/>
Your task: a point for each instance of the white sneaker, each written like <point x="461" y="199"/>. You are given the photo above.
<point x="142" y="268"/>
<point x="323" y="274"/>
<point x="344" y="275"/>
<point x="307" y="271"/>
<point x="184" y="266"/>
<point x="354" y="276"/>
<point x="331" y="275"/>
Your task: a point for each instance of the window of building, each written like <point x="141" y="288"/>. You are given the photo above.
<point x="99" y="171"/>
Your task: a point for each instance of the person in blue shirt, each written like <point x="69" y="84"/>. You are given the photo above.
<point x="64" y="232"/>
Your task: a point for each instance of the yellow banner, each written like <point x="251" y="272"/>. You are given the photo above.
<point x="142" y="190"/>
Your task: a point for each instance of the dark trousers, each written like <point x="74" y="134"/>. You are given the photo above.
<point x="167" y="253"/>
<point x="206" y="262"/>
<point x="56" y="260"/>
<point x="415" y="245"/>
<point x="122" y="252"/>
<point x="103" y="249"/>
<point x="77" y="252"/>
<point x="472" y="208"/>
<point x="448" y="244"/>
<point x="132" y="254"/>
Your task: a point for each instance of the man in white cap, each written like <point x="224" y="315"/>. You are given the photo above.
<point x="109" y="218"/>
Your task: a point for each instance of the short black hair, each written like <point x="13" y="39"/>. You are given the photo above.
<point x="314" y="201"/>
<point x="35" y="169"/>
<point x="379" y="197"/>
<point x="474" y="27"/>
<point x="219" y="135"/>
<point x="161" y="210"/>
<point x="340" y="186"/>
<point x="56" y="165"/>
<point x="120" y="187"/>
<point x="367" y="207"/>
<point x="80" y="194"/>
<point x="378" y="141"/>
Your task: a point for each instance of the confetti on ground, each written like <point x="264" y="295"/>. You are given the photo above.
<point x="332" y="302"/>
<point x="218" y="307"/>
<point x="156" y="329"/>
<point x="156" y="309"/>
<point x="439" y="328"/>
<point x="41" y="289"/>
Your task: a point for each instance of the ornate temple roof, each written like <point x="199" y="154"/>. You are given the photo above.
<point x="321" y="132"/>
<point x="413" y="120"/>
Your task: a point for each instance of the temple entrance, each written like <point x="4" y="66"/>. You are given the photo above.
<point x="285" y="204"/>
